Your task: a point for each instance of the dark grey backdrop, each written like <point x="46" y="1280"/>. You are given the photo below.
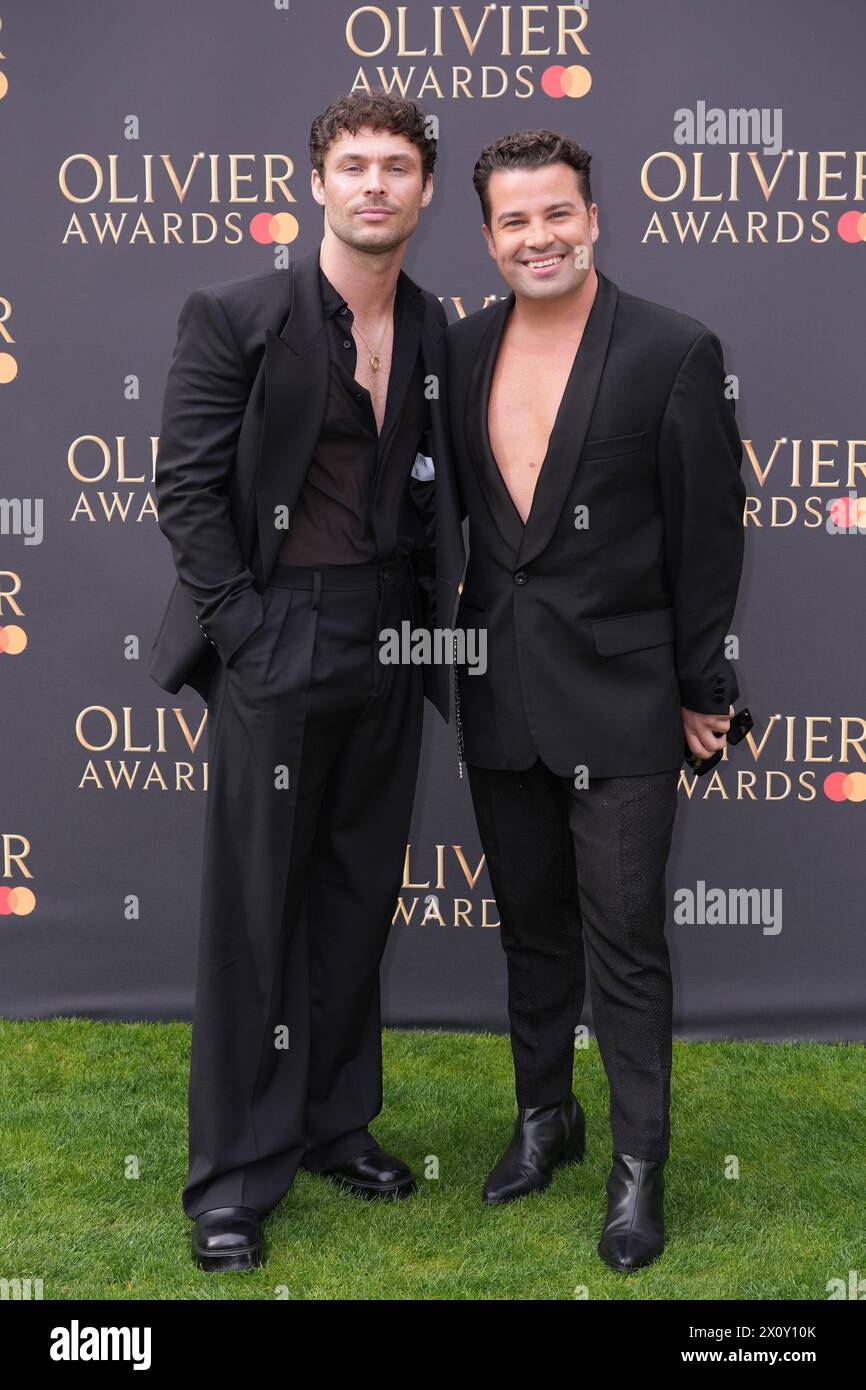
<point x="229" y="77"/>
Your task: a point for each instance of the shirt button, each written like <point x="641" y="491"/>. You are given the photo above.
<point x="344" y="310"/>
<point x="347" y="342"/>
<point x="521" y="577"/>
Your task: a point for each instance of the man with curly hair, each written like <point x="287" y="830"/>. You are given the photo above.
<point x="303" y="481"/>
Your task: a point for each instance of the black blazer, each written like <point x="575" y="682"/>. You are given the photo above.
<point x="597" y="636"/>
<point x="244" y="403"/>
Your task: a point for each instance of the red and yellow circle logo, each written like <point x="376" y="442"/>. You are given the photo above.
<point x="279" y="227"/>
<point x="852" y="226"/>
<point x="845" y="786"/>
<point x="13" y="639"/>
<point x="574" y="81"/>
<point x="16" y="901"/>
<point x="848" y="512"/>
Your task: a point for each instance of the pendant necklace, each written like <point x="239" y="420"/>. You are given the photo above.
<point x="374" y="356"/>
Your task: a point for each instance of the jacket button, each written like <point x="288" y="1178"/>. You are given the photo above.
<point x="521" y="577"/>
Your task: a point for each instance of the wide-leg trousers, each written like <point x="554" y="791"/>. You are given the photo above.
<point x="570" y="864"/>
<point x="313" y="747"/>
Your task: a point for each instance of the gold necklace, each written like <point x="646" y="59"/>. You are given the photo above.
<point x="374" y="356"/>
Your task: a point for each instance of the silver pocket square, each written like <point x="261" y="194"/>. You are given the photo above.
<point x="423" y="469"/>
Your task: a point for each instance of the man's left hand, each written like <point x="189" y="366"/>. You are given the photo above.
<point x="705" y="733"/>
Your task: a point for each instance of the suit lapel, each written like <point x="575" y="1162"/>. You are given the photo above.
<point x="449" y="547"/>
<point x="296" y="371"/>
<point x="432" y="348"/>
<point x="403" y="365"/>
<point x="571" y="424"/>
<point x="490" y="481"/>
<point x="567" y="435"/>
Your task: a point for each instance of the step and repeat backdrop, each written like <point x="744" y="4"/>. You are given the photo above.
<point x="148" y="149"/>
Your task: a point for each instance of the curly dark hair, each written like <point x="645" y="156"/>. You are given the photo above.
<point x="380" y="110"/>
<point x="531" y="149"/>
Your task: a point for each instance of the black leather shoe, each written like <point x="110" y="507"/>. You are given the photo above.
<point x="374" y="1173"/>
<point x="634" y="1232"/>
<point x="227" y="1238"/>
<point x="544" y="1136"/>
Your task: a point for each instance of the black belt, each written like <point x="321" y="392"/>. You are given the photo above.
<point x="367" y="576"/>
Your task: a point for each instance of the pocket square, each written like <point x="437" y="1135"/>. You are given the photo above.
<point x="423" y="469"/>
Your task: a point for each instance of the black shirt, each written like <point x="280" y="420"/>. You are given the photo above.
<point x="354" y="506"/>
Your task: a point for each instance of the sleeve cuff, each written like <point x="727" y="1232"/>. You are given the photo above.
<point x="234" y="621"/>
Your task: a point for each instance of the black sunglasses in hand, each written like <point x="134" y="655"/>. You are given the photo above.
<point x="740" y="724"/>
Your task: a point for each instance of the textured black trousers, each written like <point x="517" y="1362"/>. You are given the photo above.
<point x="567" y="865"/>
<point x="313" y="748"/>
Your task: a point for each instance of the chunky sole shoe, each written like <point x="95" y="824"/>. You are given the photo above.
<point x="242" y="1259"/>
<point x="227" y="1238"/>
<point x="383" y="1191"/>
<point x="376" y="1175"/>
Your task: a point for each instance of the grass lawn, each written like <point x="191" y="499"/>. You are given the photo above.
<point x="80" y="1097"/>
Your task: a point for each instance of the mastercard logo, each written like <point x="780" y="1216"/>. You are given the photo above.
<point x="16" y="901"/>
<point x="13" y="639"/>
<point x="279" y="227"/>
<point x="852" y="226"/>
<point x="845" y="786"/>
<point x="574" y="81"/>
<point x="848" y="512"/>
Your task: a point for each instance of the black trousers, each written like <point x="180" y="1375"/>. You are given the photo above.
<point x="567" y="864"/>
<point x="313" y="748"/>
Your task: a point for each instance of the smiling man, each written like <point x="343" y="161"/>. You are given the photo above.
<point x="295" y="484"/>
<point x="599" y="463"/>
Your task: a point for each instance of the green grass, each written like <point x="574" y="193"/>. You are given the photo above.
<point x="79" y="1096"/>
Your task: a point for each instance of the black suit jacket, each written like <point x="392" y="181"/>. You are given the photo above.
<point x="597" y="636"/>
<point x="244" y="403"/>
